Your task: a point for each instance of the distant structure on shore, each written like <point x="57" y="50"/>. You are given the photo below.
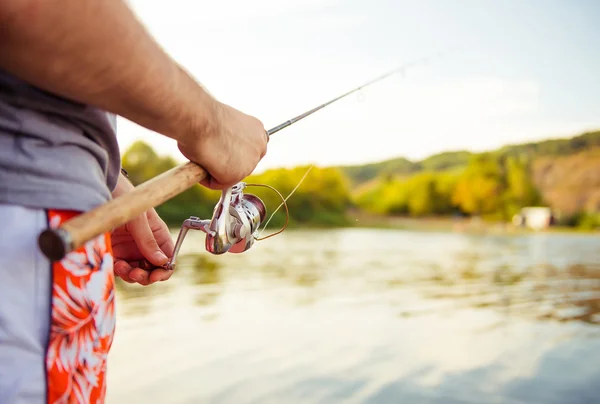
<point x="534" y="217"/>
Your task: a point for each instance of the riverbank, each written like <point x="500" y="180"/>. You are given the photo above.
<point x="451" y="224"/>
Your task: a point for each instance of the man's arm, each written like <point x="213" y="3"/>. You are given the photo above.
<point x="96" y="52"/>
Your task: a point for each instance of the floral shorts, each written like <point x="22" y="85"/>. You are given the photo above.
<point x="57" y="320"/>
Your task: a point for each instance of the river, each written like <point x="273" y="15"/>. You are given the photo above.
<point x="366" y="316"/>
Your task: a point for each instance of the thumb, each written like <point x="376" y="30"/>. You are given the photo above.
<point x="140" y="230"/>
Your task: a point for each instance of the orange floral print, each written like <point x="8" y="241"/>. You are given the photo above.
<point x="82" y="321"/>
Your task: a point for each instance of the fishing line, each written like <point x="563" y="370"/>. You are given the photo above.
<point x="285" y="200"/>
<point x="283" y="203"/>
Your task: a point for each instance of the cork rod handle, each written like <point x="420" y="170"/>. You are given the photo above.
<point x="56" y="243"/>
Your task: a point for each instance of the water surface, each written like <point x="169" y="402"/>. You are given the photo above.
<point x="367" y="316"/>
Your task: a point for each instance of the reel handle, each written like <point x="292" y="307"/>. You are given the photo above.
<point x="56" y="243"/>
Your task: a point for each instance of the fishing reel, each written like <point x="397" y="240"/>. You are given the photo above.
<point x="234" y="226"/>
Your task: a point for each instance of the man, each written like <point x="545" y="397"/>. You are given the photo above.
<point x="67" y="67"/>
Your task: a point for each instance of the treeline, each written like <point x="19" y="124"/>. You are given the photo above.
<point x="494" y="185"/>
<point x="490" y="186"/>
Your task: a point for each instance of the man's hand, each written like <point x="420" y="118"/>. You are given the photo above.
<point x="141" y="246"/>
<point x="229" y="147"/>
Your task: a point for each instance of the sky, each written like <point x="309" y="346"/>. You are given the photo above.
<point x="496" y="72"/>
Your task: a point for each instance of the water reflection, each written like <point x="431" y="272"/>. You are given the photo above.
<point x="205" y="270"/>
<point x="563" y="294"/>
<point x="368" y="316"/>
<point x="512" y="274"/>
<point x="134" y="299"/>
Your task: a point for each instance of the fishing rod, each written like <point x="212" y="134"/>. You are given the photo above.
<point x="236" y="217"/>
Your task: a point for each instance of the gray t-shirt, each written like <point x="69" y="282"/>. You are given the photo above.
<point x="54" y="153"/>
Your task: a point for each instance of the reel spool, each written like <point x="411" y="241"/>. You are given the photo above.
<point x="234" y="226"/>
<point x="236" y="218"/>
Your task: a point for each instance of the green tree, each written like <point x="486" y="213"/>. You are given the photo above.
<point x="387" y="196"/>
<point x="481" y="186"/>
<point x="520" y="190"/>
<point x="445" y="184"/>
<point x="421" y="188"/>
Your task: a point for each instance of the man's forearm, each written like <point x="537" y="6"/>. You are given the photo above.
<point x="96" y="52"/>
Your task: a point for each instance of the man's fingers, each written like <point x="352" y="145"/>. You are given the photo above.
<point x="146" y="277"/>
<point x="211" y="183"/>
<point x="161" y="233"/>
<point x="122" y="269"/>
<point x="205" y="182"/>
<point x="145" y="241"/>
<point x="141" y="272"/>
<point x="131" y="273"/>
<point x="159" y="275"/>
<point x="140" y="276"/>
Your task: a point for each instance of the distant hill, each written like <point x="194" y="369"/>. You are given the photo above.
<point x="359" y="174"/>
<point x="554" y="147"/>
<point x="570" y="183"/>
<point x="400" y="166"/>
<point x="445" y="161"/>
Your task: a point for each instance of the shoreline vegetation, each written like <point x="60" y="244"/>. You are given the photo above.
<point x="455" y="191"/>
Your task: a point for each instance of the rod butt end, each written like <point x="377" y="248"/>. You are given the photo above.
<point x="54" y="244"/>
